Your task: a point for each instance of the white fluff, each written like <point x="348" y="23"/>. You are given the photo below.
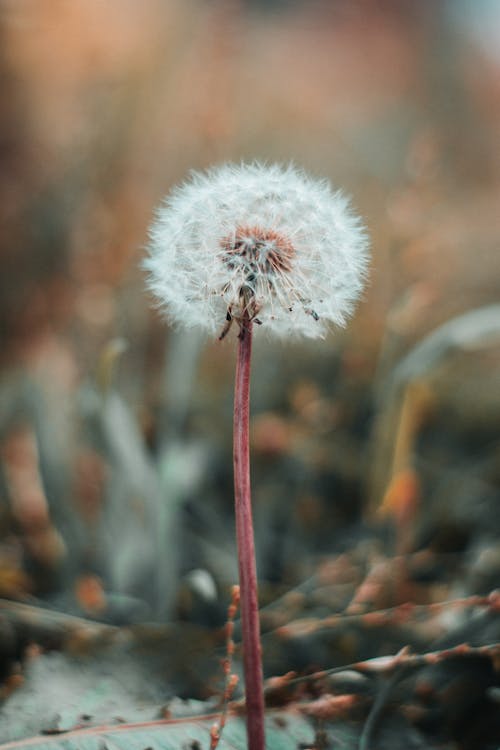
<point x="196" y="280"/>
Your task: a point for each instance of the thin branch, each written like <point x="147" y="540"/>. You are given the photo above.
<point x="399" y="614"/>
<point x="387" y="664"/>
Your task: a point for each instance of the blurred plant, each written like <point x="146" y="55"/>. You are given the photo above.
<point x="410" y="393"/>
<point x="266" y="245"/>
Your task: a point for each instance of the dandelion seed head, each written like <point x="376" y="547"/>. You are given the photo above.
<point x="264" y="239"/>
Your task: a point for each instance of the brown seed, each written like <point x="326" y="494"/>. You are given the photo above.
<point x="258" y="250"/>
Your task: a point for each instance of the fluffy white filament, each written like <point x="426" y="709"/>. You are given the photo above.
<point x="268" y="239"/>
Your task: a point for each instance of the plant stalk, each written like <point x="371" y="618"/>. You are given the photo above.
<point x="252" y="658"/>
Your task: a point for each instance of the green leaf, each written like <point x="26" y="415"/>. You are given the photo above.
<point x="283" y="731"/>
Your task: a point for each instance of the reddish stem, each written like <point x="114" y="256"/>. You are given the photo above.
<point x="252" y="660"/>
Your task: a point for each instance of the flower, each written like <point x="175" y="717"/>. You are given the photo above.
<point x="264" y="239"/>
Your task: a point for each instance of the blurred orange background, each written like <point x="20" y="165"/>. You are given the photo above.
<point x="105" y="105"/>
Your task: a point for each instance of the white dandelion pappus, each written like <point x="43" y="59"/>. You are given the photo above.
<point x="262" y="238"/>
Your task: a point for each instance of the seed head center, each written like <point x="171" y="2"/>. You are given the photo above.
<point x="258" y="252"/>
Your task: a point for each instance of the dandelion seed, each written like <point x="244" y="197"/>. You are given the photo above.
<point x="266" y="240"/>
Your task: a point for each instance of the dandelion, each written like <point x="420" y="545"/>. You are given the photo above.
<point x="255" y="244"/>
<point x="265" y="240"/>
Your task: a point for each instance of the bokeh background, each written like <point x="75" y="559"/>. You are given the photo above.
<point x="379" y="444"/>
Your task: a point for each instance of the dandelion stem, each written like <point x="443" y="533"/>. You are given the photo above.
<point x="252" y="660"/>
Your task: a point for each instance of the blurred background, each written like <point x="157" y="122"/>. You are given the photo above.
<point x="378" y="444"/>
